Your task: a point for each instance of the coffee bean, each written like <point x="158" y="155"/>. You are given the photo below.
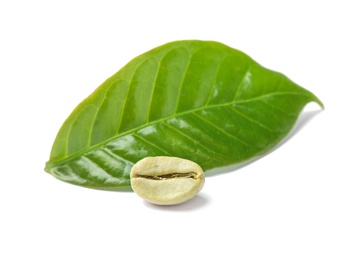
<point x="166" y="180"/>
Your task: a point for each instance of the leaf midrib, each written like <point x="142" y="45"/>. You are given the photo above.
<point x="50" y="164"/>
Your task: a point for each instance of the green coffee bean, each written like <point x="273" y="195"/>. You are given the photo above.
<point x="166" y="180"/>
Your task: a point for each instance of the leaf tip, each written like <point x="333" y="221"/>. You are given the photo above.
<point x="320" y="103"/>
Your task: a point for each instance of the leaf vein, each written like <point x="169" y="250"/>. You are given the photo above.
<point x="91" y="161"/>
<point x="94" y="120"/>
<point x="128" y="90"/>
<point x="183" y="80"/>
<point x="240" y="84"/>
<point x="66" y="152"/>
<point x="72" y="176"/>
<point x="191" y="139"/>
<point x="150" y="143"/>
<point x="116" y="156"/>
<point x="220" y="129"/>
<point x="277" y="108"/>
<point x="211" y="91"/>
<point x="251" y="119"/>
<point x="153" y="90"/>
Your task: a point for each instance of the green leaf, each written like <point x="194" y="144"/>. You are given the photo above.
<point x="198" y="100"/>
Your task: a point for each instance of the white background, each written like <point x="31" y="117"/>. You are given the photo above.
<point x="290" y="204"/>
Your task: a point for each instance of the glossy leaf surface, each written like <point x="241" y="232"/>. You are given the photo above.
<point x="198" y="100"/>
